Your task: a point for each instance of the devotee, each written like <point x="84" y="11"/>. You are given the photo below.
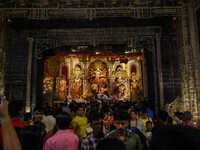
<point x="48" y="119"/>
<point x="111" y="144"/>
<point x="37" y="119"/>
<point x="28" y="118"/>
<point x="64" y="138"/>
<point x="79" y="122"/>
<point x="145" y="118"/>
<point x="136" y="122"/>
<point x="163" y="120"/>
<point x="10" y="138"/>
<point x="149" y="130"/>
<point x="131" y="140"/>
<point x="187" y="119"/>
<point x="31" y="138"/>
<point x="16" y="111"/>
<point x="91" y="141"/>
<point x="176" y="138"/>
<point x="136" y="126"/>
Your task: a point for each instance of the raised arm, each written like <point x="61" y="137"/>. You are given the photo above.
<point x="10" y="138"/>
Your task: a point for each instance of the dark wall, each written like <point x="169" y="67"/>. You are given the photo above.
<point x="170" y="69"/>
<point x="16" y="65"/>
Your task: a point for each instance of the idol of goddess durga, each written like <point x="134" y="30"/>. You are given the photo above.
<point x="98" y="76"/>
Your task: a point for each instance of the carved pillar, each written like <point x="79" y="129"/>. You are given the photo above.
<point x="160" y="77"/>
<point x="2" y="55"/>
<point x="144" y="75"/>
<point x="157" y="101"/>
<point x="28" y="87"/>
<point x="189" y="59"/>
<point x="194" y="48"/>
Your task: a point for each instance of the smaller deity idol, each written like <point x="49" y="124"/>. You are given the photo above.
<point x="121" y="88"/>
<point x="77" y="87"/>
<point x="62" y="89"/>
<point x="134" y="88"/>
<point x="103" y="93"/>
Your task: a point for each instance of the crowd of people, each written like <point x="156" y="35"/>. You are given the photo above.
<point x="95" y="126"/>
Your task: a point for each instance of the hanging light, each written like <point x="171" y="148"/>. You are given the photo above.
<point x="45" y="2"/>
<point x="136" y="2"/>
<point x="158" y="2"/>
<point x="180" y="2"/>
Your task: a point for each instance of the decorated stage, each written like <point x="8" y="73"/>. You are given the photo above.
<point x="82" y="76"/>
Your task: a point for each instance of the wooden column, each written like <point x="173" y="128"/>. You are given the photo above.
<point x="160" y="76"/>
<point x="2" y="55"/>
<point x="28" y="87"/>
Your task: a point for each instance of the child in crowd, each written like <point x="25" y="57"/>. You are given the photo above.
<point x="148" y="131"/>
<point x="145" y="118"/>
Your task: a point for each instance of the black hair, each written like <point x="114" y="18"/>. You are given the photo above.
<point x="31" y="138"/>
<point x="79" y="106"/>
<point x="144" y="110"/>
<point x="121" y="115"/>
<point x="176" y="138"/>
<point x="111" y="144"/>
<point x="149" y="122"/>
<point x="38" y="108"/>
<point x="134" y="111"/>
<point x="27" y="116"/>
<point x="163" y="115"/>
<point x="14" y="108"/>
<point x="187" y="115"/>
<point x="94" y="116"/>
<point x="48" y="111"/>
<point x="63" y="120"/>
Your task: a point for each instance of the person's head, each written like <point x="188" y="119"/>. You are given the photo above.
<point x="38" y="113"/>
<point x="28" y="117"/>
<point x="121" y="121"/>
<point x="111" y="144"/>
<point x="73" y="113"/>
<point x="49" y="111"/>
<point x="144" y="114"/>
<point x="80" y="110"/>
<point x="133" y="115"/>
<point x="163" y="117"/>
<point x="176" y="138"/>
<point x="187" y="116"/>
<point x="95" y="120"/>
<point x="31" y="138"/>
<point x="129" y="110"/>
<point x="16" y="109"/>
<point x="63" y="120"/>
<point x="149" y="125"/>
